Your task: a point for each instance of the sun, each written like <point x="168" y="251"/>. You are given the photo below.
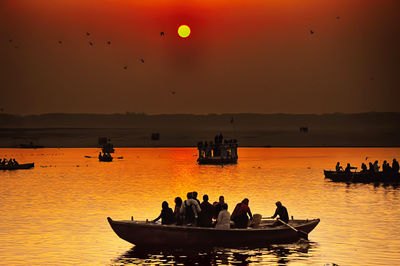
<point x="184" y="31"/>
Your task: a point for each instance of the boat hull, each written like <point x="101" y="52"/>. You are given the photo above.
<point x="106" y="159"/>
<point x="217" y="161"/>
<point x="17" y="167"/>
<point x="358" y="177"/>
<point x="148" y="234"/>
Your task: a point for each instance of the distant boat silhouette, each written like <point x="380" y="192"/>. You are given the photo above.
<point x="17" y="167"/>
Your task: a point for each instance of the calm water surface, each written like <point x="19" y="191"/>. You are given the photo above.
<point x="55" y="214"/>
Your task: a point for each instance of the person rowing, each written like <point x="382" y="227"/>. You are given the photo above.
<point x="348" y="168"/>
<point x="282" y="212"/>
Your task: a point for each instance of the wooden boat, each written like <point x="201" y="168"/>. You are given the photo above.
<point x="363" y="177"/>
<point x="217" y="160"/>
<point x="149" y="234"/>
<point x="105" y="158"/>
<point x="17" y="167"/>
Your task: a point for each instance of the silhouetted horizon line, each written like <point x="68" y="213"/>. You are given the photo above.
<point x="196" y="114"/>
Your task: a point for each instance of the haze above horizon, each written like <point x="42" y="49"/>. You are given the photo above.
<point x="296" y="57"/>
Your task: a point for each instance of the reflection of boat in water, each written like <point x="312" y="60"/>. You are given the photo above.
<point x="363" y="177"/>
<point x="17" y="167"/>
<point x="270" y="255"/>
<point x="221" y="151"/>
<point x="149" y="234"/>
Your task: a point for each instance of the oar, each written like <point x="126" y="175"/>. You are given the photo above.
<point x="300" y="232"/>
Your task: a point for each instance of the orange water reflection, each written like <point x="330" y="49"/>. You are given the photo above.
<point x="55" y="213"/>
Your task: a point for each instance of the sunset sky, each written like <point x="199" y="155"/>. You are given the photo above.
<point x="241" y="56"/>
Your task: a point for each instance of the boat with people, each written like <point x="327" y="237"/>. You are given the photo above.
<point x="143" y="233"/>
<point x="17" y="166"/>
<point x="389" y="174"/>
<point x="106" y="148"/>
<point x="362" y="177"/>
<point x="221" y="151"/>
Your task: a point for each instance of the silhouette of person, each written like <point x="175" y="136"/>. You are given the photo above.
<point x="395" y="166"/>
<point x="207" y="213"/>
<point x="166" y="215"/>
<point x="239" y="215"/>
<point x="282" y="212"/>
<point x="339" y="168"/>
<point x="177" y="211"/>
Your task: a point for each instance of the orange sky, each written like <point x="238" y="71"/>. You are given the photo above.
<point x="242" y="56"/>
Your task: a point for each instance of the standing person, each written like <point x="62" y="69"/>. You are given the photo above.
<point x="190" y="209"/>
<point x="395" y="166"/>
<point x="224" y="218"/>
<point x="177" y="211"/>
<point x="207" y="213"/>
<point x="282" y="212"/>
<point x="194" y="194"/>
<point x="166" y="215"/>
<point x="239" y="215"/>
<point x="218" y="206"/>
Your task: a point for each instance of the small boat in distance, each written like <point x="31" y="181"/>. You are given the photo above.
<point x="107" y="149"/>
<point x="362" y="177"/>
<point x="220" y="152"/>
<point x="150" y="234"/>
<point x="17" y="167"/>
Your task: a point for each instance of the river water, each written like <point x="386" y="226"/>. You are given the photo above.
<point x="55" y="214"/>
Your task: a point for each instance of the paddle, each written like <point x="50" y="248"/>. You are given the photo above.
<point x="302" y="234"/>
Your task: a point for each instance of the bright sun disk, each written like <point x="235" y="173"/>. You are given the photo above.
<point x="184" y="31"/>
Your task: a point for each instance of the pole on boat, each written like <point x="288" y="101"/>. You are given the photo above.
<point x="301" y="233"/>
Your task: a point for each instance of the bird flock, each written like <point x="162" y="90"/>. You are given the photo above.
<point x="91" y="44"/>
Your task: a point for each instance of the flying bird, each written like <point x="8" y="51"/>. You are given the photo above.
<point x="91" y="43"/>
<point x="366" y="158"/>
<point x="109" y="42"/>
<point x="173" y="92"/>
<point x="142" y="60"/>
<point x="10" y="40"/>
<point x="162" y="33"/>
<point x="59" y="42"/>
<point x="87" y="33"/>
<point x="311" y="31"/>
<point x="125" y="67"/>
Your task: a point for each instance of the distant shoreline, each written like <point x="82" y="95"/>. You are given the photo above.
<point x="251" y="130"/>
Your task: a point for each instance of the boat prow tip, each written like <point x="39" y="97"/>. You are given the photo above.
<point x="109" y="219"/>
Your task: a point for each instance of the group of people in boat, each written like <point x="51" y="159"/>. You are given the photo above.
<point x="10" y="162"/>
<point x="205" y="214"/>
<point x="372" y="168"/>
<point x="224" y="148"/>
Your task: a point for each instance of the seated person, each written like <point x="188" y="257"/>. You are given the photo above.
<point x="239" y="215"/>
<point x="224" y="218"/>
<point x="338" y="167"/>
<point x="166" y="215"/>
<point x="363" y="168"/>
<point x="348" y="168"/>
